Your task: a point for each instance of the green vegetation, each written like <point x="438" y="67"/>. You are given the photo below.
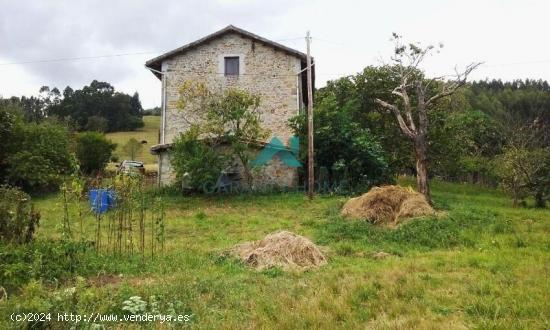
<point x="479" y="264"/>
<point x="93" y="152"/>
<point x="231" y="121"/>
<point x="346" y="149"/>
<point x="33" y="156"/>
<point x="468" y="131"/>
<point x="132" y="148"/>
<point x="96" y="107"/>
<point x="195" y="161"/>
<point x="18" y="220"/>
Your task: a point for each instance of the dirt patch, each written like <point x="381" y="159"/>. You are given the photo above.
<point x="387" y="205"/>
<point x="104" y="279"/>
<point x="281" y="249"/>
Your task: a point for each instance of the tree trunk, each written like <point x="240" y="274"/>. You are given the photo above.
<point x="421" y="151"/>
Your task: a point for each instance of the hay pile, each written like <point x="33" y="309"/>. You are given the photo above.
<point x="283" y="249"/>
<point x="387" y="205"/>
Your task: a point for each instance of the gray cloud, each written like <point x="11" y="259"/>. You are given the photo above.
<point x="348" y="35"/>
<point x="35" y="30"/>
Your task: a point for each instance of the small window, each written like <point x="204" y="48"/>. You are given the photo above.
<point x="232" y="66"/>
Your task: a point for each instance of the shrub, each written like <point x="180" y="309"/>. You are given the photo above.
<point x="196" y="163"/>
<point x="40" y="156"/>
<point x="93" y="151"/>
<point x="18" y="219"/>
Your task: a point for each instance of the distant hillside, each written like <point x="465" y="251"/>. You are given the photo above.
<point x="149" y="133"/>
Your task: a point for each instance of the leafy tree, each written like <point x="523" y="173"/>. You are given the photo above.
<point x="232" y="116"/>
<point x="343" y="146"/>
<point x="135" y="105"/>
<point x="462" y="141"/>
<point x="357" y="95"/>
<point x="525" y="172"/>
<point x="416" y="95"/>
<point x="524" y="166"/>
<point x="132" y="148"/>
<point x="93" y="151"/>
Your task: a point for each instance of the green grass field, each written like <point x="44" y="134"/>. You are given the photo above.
<point x="482" y="265"/>
<point x="148" y="133"/>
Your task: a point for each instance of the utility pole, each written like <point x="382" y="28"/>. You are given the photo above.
<point x="310" y="173"/>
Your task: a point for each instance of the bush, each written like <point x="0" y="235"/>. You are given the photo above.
<point x="18" y="219"/>
<point x="40" y="156"/>
<point x="93" y="151"/>
<point x="195" y="162"/>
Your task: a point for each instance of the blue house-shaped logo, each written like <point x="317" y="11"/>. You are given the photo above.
<point x="289" y="156"/>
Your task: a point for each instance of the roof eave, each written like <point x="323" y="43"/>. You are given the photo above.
<point x="156" y="63"/>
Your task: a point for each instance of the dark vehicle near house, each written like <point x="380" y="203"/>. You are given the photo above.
<point x="131" y="167"/>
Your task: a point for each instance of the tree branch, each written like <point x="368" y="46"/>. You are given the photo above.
<point x="450" y="88"/>
<point x="404" y="128"/>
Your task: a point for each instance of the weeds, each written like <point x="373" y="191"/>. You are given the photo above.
<point x="125" y="231"/>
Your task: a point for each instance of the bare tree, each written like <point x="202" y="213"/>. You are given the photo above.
<point x="413" y="84"/>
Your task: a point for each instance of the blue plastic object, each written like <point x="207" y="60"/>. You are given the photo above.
<point x="101" y="200"/>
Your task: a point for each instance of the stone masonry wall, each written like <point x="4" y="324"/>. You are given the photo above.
<point x="264" y="71"/>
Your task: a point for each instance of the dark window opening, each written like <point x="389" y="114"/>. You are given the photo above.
<point x="232" y="66"/>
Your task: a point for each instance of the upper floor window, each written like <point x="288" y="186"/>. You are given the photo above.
<point x="231" y="65"/>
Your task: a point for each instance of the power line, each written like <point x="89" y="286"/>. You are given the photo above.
<point x="63" y="59"/>
<point x="289" y="39"/>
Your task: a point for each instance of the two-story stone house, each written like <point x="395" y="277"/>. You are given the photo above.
<point x="233" y="57"/>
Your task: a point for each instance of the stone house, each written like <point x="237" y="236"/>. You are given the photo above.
<point x="233" y="57"/>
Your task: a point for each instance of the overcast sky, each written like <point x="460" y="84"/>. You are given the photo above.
<point x="511" y="37"/>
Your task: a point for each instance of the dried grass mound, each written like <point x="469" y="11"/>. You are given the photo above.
<point x="387" y="205"/>
<point x="280" y="249"/>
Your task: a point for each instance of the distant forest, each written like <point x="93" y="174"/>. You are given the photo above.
<point x="470" y="135"/>
<point x="96" y="107"/>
